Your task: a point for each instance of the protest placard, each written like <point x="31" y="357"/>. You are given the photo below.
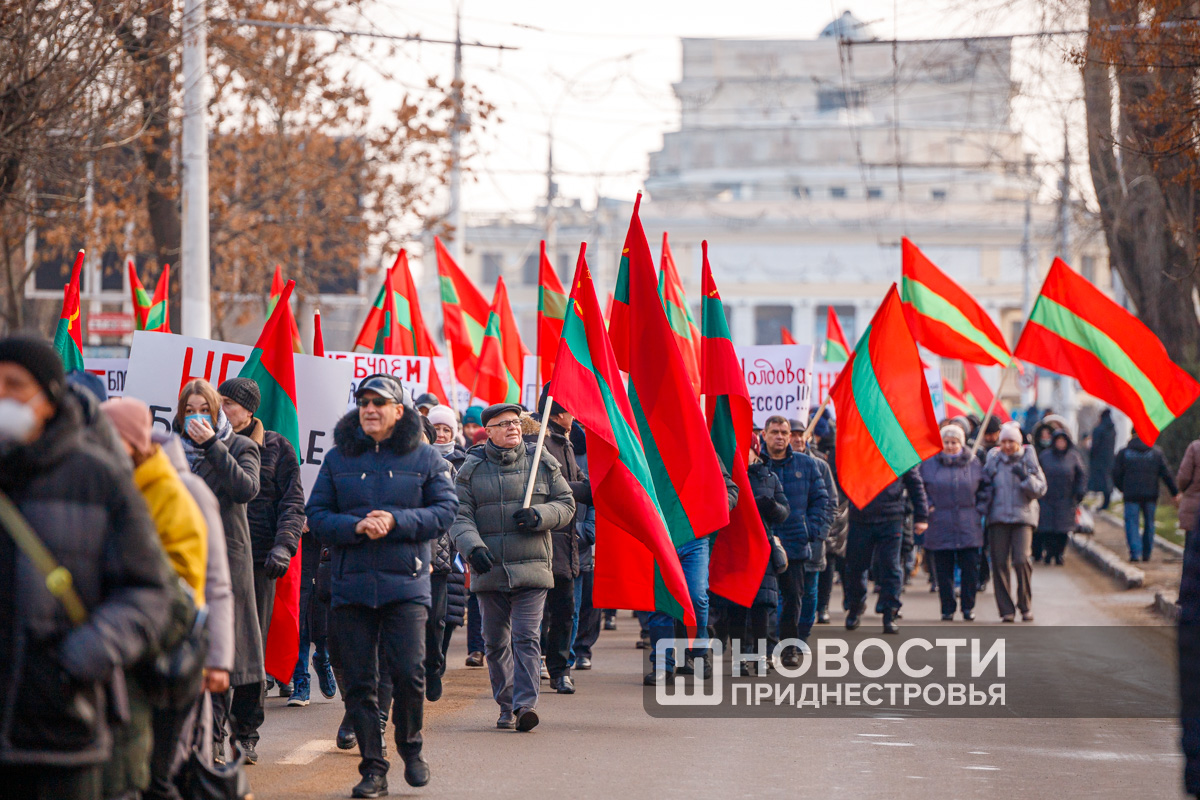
<point x="111" y="371"/>
<point x="779" y="379"/>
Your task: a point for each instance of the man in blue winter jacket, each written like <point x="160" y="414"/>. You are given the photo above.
<point x="381" y="497"/>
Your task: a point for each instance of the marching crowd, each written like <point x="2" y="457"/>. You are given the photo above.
<point x="138" y="567"/>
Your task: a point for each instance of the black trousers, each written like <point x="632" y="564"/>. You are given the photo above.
<point x="791" y="584"/>
<point x="589" y="618"/>
<point x="556" y="626"/>
<point x="747" y="625"/>
<point x="248" y="704"/>
<point x="392" y="636"/>
<point x="435" y="626"/>
<point x="834" y="565"/>
<point x="944" y="562"/>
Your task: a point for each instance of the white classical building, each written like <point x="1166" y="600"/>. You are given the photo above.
<point x="803" y="163"/>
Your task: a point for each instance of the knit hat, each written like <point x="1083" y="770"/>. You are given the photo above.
<point x="443" y="415"/>
<point x="555" y="408"/>
<point x="1011" y="432"/>
<point x="954" y="432"/>
<point x="993" y="426"/>
<point x="242" y="391"/>
<point x="40" y="358"/>
<point x="81" y="378"/>
<point x="473" y="415"/>
<point x="131" y="418"/>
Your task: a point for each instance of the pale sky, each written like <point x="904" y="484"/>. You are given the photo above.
<point x="602" y="72"/>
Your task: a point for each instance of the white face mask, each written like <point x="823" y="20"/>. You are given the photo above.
<point x="17" y="421"/>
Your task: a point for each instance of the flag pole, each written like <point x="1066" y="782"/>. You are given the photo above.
<point x="812" y="423"/>
<point x="537" y="453"/>
<point x="453" y="377"/>
<point x="991" y="407"/>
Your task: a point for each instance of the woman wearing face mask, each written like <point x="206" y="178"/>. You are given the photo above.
<point x="955" y="534"/>
<point x="229" y="464"/>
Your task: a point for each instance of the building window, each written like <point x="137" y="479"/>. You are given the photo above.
<point x="874" y="193"/>
<point x="492" y="266"/>
<point x="529" y="269"/>
<point x="938" y="195"/>
<point x="800" y="191"/>
<point x="836" y="99"/>
<point x="767" y="322"/>
<point x="837" y="192"/>
<point x="1089" y="268"/>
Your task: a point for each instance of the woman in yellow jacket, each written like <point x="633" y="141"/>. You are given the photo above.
<point x="180" y="524"/>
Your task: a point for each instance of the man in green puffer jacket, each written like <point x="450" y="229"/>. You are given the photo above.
<point x="510" y="553"/>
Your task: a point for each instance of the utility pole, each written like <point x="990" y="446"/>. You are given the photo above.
<point x="1065" y="386"/>
<point x="454" y="213"/>
<point x="551" y="193"/>
<point x="1027" y="267"/>
<point x="194" y="266"/>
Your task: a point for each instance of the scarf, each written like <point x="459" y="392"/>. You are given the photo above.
<point x="194" y="452"/>
<point x="445" y="449"/>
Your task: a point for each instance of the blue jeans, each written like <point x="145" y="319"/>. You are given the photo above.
<point x="1141" y="545"/>
<point x="575" y="619"/>
<point x="877" y="542"/>
<point x="808" y="604"/>
<point x="693" y="557"/>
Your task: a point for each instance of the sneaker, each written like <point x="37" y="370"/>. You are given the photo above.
<point x="416" y="770"/>
<point x="285" y="690"/>
<point x="969" y="616"/>
<point x="246" y="748"/>
<point x="823" y="616"/>
<point x="506" y="722"/>
<point x="947" y="617"/>
<point x="325" y="678"/>
<point x="475" y="659"/>
<point x="1007" y="618"/>
<point x="889" y="622"/>
<point x="527" y="719"/>
<point x="545" y="672"/>
<point x="300" y="691"/>
<point x="433" y="688"/>
<point x="655" y="677"/>
<point x="371" y="786"/>
<point x="1026" y="616"/>
<point x="610" y="624"/>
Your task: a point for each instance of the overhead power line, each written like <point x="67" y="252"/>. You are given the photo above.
<point x="296" y="26"/>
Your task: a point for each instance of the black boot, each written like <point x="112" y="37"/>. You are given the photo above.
<point x="889" y="622"/>
<point x="371" y="786"/>
<point x="416" y="769"/>
<point x="854" y="616"/>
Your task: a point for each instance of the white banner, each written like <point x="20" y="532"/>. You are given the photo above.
<point x="411" y="371"/>
<point x="161" y="363"/>
<point x="530" y="388"/>
<point x="779" y="379"/>
<point x="825" y="373"/>
<point x="933" y="377"/>
<point x="111" y="371"/>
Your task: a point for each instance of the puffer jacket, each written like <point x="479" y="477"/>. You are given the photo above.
<point x="57" y="677"/>
<point x="1138" y="469"/>
<point x="766" y="486"/>
<point x="808" y="499"/>
<point x="892" y="504"/>
<point x="276" y="514"/>
<point x="954" y="487"/>
<point x="1066" y="484"/>
<point x="1104" y="453"/>
<point x="401" y="475"/>
<point x="491" y="488"/>
<point x="1188" y="479"/>
<point x="180" y="525"/>
<point x="816" y="560"/>
<point x="839" y="525"/>
<point x="456" y="597"/>
<point x="565" y="540"/>
<point x="1007" y="498"/>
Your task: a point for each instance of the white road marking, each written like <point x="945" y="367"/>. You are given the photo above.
<point x="308" y="752"/>
<point x="984" y="768"/>
<point x="893" y="744"/>
<point x="879" y="735"/>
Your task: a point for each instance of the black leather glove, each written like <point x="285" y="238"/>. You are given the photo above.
<point x="527" y="519"/>
<point x="481" y="560"/>
<point x="1019" y="471"/>
<point x="277" y="564"/>
<point x="764" y="504"/>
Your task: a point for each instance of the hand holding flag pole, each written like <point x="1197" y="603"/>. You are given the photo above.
<point x="537" y="453"/>
<point x="991" y="407"/>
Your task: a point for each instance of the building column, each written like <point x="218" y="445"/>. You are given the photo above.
<point x="804" y="321"/>
<point x="741" y="322"/>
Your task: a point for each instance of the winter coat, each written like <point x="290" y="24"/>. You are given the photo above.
<point x="892" y="504"/>
<point x="816" y="560"/>
<point x="1066" y="484"/>
<point x="954" y="488"/>
<point x="1103" y="454"/>
<point x="808" y="499"/>
<point x="1138" y="469"/>
<point x="402" y="475"/>
<point x="835" y="542"/>
<point x="276" y="514"/>
<point x="230" y="469"/>
<point x="491" y="488"/>
<point x="456" y="597"/>
<point x="585" y="526"/>
<point x="764" y="484"/>
<point x="1188" y="479"/>
<point x="443" y="549"/>
<point x="218" y="592"/>
<point x="177" y="519"/>
<point x="58" y="678"/>
<point x="1007" y="498"/>
<point x="565" y="539"/>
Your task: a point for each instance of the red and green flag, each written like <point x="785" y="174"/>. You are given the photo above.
<point x="373" y="324"/>
<point x="636" y="563"/>
<point x="552" y="309"/>
<point x="741" y="550"/>
<point x="502" y="356"/>
<point x="943" y="317"/>
<point x="271" y="365"/>
<point x="837" y="349"/>
<point x="141" y="298"/>
<point x="464" y="316"/>
<point x="886" y="422"/>
<point x="68" y="336"/>
<point x="1075" y="330"/>
<point x="687" y="475"/>
<point x="683" y="325"/>
<point x="158" y="317"/>
<point x="276" y="291"/>
<point x="412" y="322"/>
<point x="785" y="336"/>
<point x="956" y="404"/>
<point x="390" y="339"/>
<point x="978" y="394"/>
<point x="318" y="337"/>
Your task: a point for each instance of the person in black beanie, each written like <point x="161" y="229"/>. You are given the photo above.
<point x="276" y="519"/>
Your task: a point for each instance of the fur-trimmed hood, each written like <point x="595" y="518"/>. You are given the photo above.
<point x="349" y="437"/>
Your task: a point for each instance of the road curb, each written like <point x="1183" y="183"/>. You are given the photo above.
<point x="1166" y="605"/>
<point x="1107" y="561"/>
<point x="1159" y="541"/>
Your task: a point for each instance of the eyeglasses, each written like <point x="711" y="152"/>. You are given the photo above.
<point x="508" y="423"/>
<point x="378" y="402"/>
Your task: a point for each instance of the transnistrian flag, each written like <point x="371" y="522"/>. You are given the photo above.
<point x="412" y="322"/>
<point x="978" y="394"/>
<point x="158" y="318"/>
<point x="1075" y="330"/>
<point x="741" y="550"/>
<point x="552" y="309"/>
<point x="390" y="338"/>
<point x="683" y="326"/>
<point x="636" y="563"/>
<point x="318" y="337"/>
<point x="786" y="337"/>
<point x="956" y="404"/>
<point x="837" y="349"/>
<point x="276" y="290"/>
<point x="886" y="422"/>
<point x="687" y="475"/>
<point x="503" y="353"/>
<point x="271" y="366"/>
<point x="374" y="321"/>
<point x="68" y="338"/>
<point x="464" y="315"/>
<point x="943" y="317"/>
<point x="141" y="298"/>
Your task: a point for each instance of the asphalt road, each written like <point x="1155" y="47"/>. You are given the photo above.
<point x="600" y="742"/>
